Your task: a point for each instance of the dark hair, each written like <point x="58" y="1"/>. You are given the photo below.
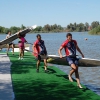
<point x="38" y="35"/>
<point x="23" y="35"/>
<point x="9" y="31"/>
<point x="68" y="34"/>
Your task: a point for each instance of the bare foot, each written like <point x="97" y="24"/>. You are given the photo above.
<point x="80" y="86"/>
<point x="70" y="78"/>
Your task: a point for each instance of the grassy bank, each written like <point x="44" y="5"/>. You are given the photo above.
<point x="54" y="85"/>
<point x="95" y="31"/>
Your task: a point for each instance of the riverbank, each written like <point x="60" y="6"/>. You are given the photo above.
<point x="95" y="31"/>
<point x="54" y="85"/>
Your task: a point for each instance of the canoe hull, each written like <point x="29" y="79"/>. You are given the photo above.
<point x="83" y="62"/>
<point x="15" y="36"/>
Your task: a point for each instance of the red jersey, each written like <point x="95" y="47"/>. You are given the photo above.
<point x="70" y="47"/>
<point x="39" y="48"/>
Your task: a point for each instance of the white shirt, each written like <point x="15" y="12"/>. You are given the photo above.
<point x="8" y="37"/>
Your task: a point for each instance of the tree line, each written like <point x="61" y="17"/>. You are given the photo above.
<point x="95" y="29"/>
<point x="12" y="29"/>
<point x="72" y="27"/>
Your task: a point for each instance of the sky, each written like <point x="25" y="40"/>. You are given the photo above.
<point x="42" y="12"/>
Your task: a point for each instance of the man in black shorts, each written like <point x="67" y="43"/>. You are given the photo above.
<point x="10" y="44"/>
<point x="39" y="50"/>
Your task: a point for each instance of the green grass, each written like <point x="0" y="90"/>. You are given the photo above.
<point x="29" y="85"/>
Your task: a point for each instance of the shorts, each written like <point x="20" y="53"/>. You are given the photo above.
<point x="72" y="60"/>
<point x="10" y="43"/>
<point x="21" y="46"/>
<point x="40" y="57"/>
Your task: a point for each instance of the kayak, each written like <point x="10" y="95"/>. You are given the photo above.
<point x="15" y="36"/>
<point x="83" y="62"/>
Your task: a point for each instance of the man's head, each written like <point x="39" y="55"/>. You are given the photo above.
<point x="9" y="33"/>
<point x="69" y="36"/>
<point x="23" y="35"/>
<point x="38" y="36"/>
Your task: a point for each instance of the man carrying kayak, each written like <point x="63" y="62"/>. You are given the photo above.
<point x="70" y="47"/>
<point x="39" y="50"/>
<point x="10" y="44"/>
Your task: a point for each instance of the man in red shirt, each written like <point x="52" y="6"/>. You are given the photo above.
<point x="39" y="50"/>
<point x="70" y="47"/>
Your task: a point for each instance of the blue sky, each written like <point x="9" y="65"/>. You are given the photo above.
<point x="42" y="12"/>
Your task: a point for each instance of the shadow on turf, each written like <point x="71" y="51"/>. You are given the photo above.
<point x="19" y="69"/>
<point x="50" y="71"/>
<point x="66" y="77"/>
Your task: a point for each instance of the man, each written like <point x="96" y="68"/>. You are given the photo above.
<point x="70" y="47"/>
<point x="10" y="44"/>
<point x="39" y="50"/>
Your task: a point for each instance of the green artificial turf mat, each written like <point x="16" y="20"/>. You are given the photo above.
<point x="54" y="85"/>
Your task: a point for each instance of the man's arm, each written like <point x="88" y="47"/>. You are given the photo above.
<point x="59" y="51"/>
<point x="18" y="34"/>
<point x="26" y="41"/>
<point x="33" y="47"/>
<point x="78" y="49"/>
<point x="7" y="37"/>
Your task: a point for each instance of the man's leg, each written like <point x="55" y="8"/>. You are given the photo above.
<point x="8" y="48"/>
<point x="22" y="52"/>
<point x="77" y="78"/>
<point x="71" y="72"/>
<point x="38" y="64"/>
<point x="19" y="53"/>
<point x="13" y="49"/>
<point x="45" y="65"/>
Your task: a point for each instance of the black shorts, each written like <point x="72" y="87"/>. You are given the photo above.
<point x="40" y="57"/>
<point x="10" y="43"/>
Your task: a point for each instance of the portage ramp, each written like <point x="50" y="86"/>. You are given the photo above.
<point x="6" y="90"/>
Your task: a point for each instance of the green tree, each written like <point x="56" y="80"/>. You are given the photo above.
<point x="47" y="27"/>
<point x="22" y="27"/>
<point x="14" y="29"/>
<point x="54" y="27"/>
<point x="2" y="29"/>
<point x="38" y="29"/>
<point x="95" y="30"/>
<point x="86" y="26"/>
<point x="94" y="24"/>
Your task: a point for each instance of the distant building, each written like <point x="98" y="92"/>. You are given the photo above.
<point x="89" y="28"/>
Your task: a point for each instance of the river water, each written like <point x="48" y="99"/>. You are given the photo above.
<point x="89" y="76"/>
